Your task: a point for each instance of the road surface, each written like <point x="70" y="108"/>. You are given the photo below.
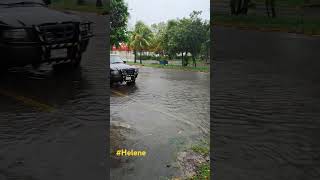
<point x="266" y="105"/>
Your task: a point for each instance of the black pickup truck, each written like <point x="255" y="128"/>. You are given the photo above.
<point x="121" y="72"/>
<point x="31" y="34"/>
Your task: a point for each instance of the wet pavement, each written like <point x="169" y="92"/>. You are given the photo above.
<point x="266" y="105"/>
<point x="53" y="121"/>
<point x="163" y="113"/>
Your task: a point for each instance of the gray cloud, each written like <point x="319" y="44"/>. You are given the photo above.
<point x="154" y="11"/>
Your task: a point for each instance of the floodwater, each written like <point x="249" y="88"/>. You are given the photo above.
<point x="266" y="105"/>
<point x="53" y="121"/>
<point x="163" y="113"/>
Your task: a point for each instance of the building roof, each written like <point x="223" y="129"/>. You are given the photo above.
<point x="123" y="47"/>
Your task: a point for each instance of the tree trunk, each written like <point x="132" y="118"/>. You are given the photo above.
<point x="140" y="57"/>
<point x="273" y="8"/>
<point x="135" y="56"/>
<point x="270" y="5"/>
<point x="233" y="7"/>
<point x="208" y="55"/>
<point x="99" y="3"/>
<point x="186" y="59"/>
<point x="194" y="61"/>
<point x="239" y="8"/>
<point x="245" y="7"/>
<point x="267" y="8"/>
<point x="182" y="59"/>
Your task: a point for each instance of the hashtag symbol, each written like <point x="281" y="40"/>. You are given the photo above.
<point x="118" y="153"/>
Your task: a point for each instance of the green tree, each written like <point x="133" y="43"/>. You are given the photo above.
<point x="157" y="41"/>
<point x="186" y="36"/>
<point x="140" y="39"/>
<point x="205" y="49"/>
<point x="195" y="34"/>
<point x="130" y="43"/>
<point x="175" y="39"/>
<point x="118" y="22"/>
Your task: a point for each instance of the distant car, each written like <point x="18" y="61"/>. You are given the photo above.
<point x="121" y="72"/>
<point x="31" y="34"/>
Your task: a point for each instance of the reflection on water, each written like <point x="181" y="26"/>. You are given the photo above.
<point x="266" y="106"/>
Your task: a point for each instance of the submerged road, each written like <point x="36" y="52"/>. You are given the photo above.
<point x="163" y="113"/>
<point x="53" y="121"/>
<point x="266" y="105"/>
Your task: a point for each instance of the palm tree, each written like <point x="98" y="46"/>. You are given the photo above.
<point x="133" y="45"/>
<point x="140" y="39"/>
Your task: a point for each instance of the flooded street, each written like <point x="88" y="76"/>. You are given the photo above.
<point x="53" y="121"/>
<point x="163" y="113"/>
<point x="266" y="105"/>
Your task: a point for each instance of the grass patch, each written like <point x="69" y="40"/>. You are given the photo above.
<point x="203" y="172"/>
<point x="177" y="67"/>
<point x="201" y="149"/>
<point x="294" y="24"/>
<point x="72" y="5"/>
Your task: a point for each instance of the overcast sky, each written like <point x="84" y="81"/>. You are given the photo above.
<point x="155" y="11"/>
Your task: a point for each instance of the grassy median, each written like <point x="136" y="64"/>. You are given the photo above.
<point x="293" y="24"/>
<point x="176" y="67"/>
